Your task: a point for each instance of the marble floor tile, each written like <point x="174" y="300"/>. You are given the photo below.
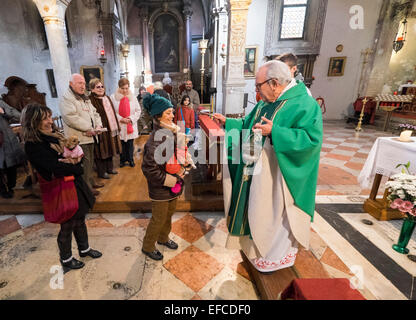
<point x="329" y="146"/>
<point x="169" y="253"/>
<point x="190" y="228"/>
<point x="332" y="162"/>
<point x="228" y="285"/>
<point x="119" y="219"/>
<point x="214" y="244"/>
<point x="98" y="222"/>
<point x="159" y="284"/>
<point x="308" y="267"/>
<point x="6" y="216"/>
<point x="337" y="157"/>
<point x="8" y="226"/>
<point x="331" y="175"/>
<point x="316" y="245"/>
<point x="343" y="152"/>
<point x="331" y="259"/>
<point x="27" y="220"/>
<point x="194" y="267"/>
<point x="212" y="218"/>
<point x="373" y="280"/>
<point x="383" y="236"/>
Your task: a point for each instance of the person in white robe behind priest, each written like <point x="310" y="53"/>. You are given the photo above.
<point x="269" y="194"/>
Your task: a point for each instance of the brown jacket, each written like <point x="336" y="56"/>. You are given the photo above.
<point x="106" y="146"/>
<point x="158" y="180"/>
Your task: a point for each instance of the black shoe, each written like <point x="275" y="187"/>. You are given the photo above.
<point x="7" y="195"/>
<point x="72" y="264"/>
<point x="104" y="176"/>
<point x="91" y="253"/>
<point x="132" y="164"/>
<point x="170" y="244"/>
<point x="122" y="164"/>
<point x="112" y="172"/>
<point x="155" y="255"/>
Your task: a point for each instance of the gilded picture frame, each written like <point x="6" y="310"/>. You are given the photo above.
<point x="337" y="66"/>
<point x="250" y="61"/>
<point x="91" y="72"/>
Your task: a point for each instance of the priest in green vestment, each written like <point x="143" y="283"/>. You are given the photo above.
<point x="271" y="172"/>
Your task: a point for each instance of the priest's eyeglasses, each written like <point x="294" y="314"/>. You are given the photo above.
<point x="258" y="85"/>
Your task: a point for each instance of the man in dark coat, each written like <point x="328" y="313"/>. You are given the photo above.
<point x="11" y="152"/>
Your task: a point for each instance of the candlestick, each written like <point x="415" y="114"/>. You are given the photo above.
<point x="358" y="128"/>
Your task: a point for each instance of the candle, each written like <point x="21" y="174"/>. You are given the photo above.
<point x="405" y="135"/>
<point x="203" y="33"/>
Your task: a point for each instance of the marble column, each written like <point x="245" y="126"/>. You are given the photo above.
<point x="234" y="83"/>
<point x="53" y="15"/>
<point x="220" y="53"/>
<point x="187" y="11"/>
<point x="146" y="45"/>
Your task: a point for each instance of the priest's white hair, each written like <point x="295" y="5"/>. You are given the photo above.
<point x="278" y="70"/>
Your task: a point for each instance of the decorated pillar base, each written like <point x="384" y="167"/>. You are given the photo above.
<point x="233" y="97"/>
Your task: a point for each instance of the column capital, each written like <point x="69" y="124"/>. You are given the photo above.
<point x="52" y="10"/>
<point x="187" y="9"/>
<point x="239" y="4"/>
<point x="144" y="13"/>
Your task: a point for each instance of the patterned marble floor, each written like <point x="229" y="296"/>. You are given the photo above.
<point x="202" y="268"/>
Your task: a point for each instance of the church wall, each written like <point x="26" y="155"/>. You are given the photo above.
<point x="340" y="92"/>
<point x="86" y="53"/>
<point x="256" y="31"/>
<point x="19" y="51"/>
<point x="22" y="49"/>
<point x="403" y="63"/>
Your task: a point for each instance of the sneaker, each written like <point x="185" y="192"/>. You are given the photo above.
<point x="170" y="244"/>
<point x="91" y="253"/>
<point x="155" y="255"/>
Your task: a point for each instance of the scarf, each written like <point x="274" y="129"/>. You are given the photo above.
<point x="124" y="111"/>
<point x="58" y="147"/>
<point x="112" y="120"/>
<point x="78" y="96"/>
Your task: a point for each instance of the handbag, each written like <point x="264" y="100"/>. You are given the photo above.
<point x="59" y="198"/>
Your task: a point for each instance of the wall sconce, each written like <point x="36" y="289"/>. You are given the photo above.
<point x="125" y="49"/>
<point x="398" y="43"/>
<point x="100" y="47"/>
<point x="102" y="58"/>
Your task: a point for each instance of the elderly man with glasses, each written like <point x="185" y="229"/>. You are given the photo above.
<point x="272" y="169"/>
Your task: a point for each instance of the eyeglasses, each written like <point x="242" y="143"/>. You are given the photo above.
<point x="258" y="85"/>
<point x="99" y="87"/>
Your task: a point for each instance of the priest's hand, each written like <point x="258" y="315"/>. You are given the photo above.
<point x="220" y="118"/>
<point x="266" y="127"/>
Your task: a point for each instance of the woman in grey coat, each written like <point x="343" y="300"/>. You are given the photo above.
<point x="11" y="151"/>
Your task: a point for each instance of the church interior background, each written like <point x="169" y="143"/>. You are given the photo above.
<point x="345" y="54"/>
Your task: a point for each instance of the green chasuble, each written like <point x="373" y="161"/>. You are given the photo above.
<point x="296" y="138"/>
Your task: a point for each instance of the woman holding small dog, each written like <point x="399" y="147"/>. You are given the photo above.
<point x="164" y="187"/>
<point x="108" y="143"/>
<point x="44" y="148"/>
<point x="128" y="113"/>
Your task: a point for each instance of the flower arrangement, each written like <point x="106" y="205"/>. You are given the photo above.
<point x="403" y="192"/>
<point x="406" y="126"/>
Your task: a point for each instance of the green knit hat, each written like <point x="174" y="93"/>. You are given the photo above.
<point x="156" y="104"/>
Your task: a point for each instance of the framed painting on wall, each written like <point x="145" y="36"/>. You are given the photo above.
<point x="52" y="85"/>
<point x="91" y="72"/>
<point x="337" y="66"/>
<point x="250" y="62"/>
